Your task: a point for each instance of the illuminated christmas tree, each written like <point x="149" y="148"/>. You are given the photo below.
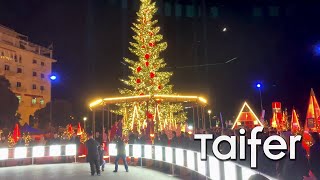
<point x="148" y="77"/>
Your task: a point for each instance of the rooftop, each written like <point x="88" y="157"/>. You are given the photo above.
<point x="13" y="38"/>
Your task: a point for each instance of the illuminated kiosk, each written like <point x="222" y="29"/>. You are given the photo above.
<point x="195" y="103"/>
<point x="246" y="118"/>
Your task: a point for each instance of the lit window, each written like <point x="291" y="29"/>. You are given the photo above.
<point x="34" y="74"/>
<point x="34" y="61"/>
<point x="42" y="63"/>
<point x="34" y="86"/>
<point x="42" y="76"/>
<point x="18" y="84"/>
<point x="42" y="88"/>
<point x="19" y="70"/>
<point x="34" y="101"/>
<point x="19" y="98"/>
<point x="6" y="67"/>
<point x="41" y="101"/>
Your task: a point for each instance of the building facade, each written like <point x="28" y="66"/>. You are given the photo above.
<point x="27" y="66"/>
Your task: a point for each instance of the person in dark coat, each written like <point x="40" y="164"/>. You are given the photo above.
<point x="93" y="155"/>
<point x="315" y="155"/>
<point x="121" y="149"/>
<point x="174" y="141"/>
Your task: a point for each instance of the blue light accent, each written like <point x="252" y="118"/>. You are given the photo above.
<point x="258" y="85"/>
<point x="316" y="49"/>
<point x="53" y="77"/>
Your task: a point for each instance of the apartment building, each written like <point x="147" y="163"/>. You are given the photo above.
<point x="27" y="66"/>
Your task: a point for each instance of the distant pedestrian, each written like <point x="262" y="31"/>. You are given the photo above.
<point x="101" y="155"/>
<point x="93" y="155"/>
<point x="120" y="146"/>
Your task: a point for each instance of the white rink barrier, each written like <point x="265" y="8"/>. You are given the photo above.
<point x="38" y="152"/>
<point x="212" y="168"/>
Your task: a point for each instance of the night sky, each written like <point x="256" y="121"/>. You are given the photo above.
<point x="90" y="38"/>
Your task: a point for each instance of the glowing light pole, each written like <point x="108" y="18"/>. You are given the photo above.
<point x="259" y="87"/>
<point x="52" y="78"/>
<point x="84" y="123"/>
<point x="209" y="112"/>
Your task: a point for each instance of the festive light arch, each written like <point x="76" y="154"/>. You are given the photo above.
<point x="166" y="98"/>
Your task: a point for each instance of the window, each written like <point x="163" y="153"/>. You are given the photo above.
<point x="42" y="88"/>
<point x="41" y="101"/>
<point x="34" y="61"/>
<point x="6" y="67"/>
<point x="34" y="100"/>
<point x="15" y="57"/>
<point x="178" y="10"/>
<point x="42" y="63"/>
<point x="19" y="70"/>
<point x="19" y="98"/>
<point x="2" y="53"/>
<point x="20" y="59"/>
<point x="34" y="74"/>
<point x="274" y="11"/>
<point x="124" y="4"/>
<point x="18" y="84"/>
<point x="42" y="76"/>
<point x="257" y="12"/>
<point x="34" y="86"/>
<point x="214" y="12"/>
<point x="167" y="9"/>
<point x="190" y="11"/>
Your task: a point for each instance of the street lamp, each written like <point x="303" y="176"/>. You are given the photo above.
<point x="84" y="123"/>
<point x="259" y="87"/>
<point x="52" y="78"/>
<point x="209" y="112"/>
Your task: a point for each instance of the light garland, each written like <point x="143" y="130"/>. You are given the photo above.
<point x="11" y="140"/>
<point x="83" y="137"/>
<point x="27" y="138"/>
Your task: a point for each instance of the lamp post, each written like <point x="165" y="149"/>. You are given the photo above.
<point x="84" y="123"/>
<point x="259" y="87"/>
<point x="209" y="112"/>
<point x="52" y="78"/>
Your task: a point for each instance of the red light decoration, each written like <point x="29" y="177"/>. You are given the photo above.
<point x="147" y="56"/>
<point x="159" y="87"/>
<point x="143" y="47"/>
<point x="147" y="63"/>
<point x="138" y="80"/>
<point x="151" y="44"/>
<point x="152" y="75"/>
<point x="139" y="69"/>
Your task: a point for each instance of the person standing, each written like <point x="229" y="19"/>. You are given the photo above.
<point x="101" y="159"/>
<point x="121" y="154"/>
<point x="93" y="155"/>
